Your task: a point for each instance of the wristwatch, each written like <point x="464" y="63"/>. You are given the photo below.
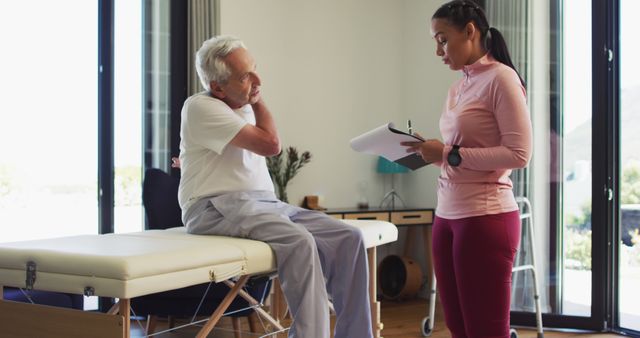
<point x="454" y="159"/>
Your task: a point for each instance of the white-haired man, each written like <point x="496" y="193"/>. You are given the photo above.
<point x="225" y="189"/>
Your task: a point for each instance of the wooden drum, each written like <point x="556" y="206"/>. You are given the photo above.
<point x="399" y="277"/>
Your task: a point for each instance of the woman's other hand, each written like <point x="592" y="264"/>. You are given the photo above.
<point x="430" y="150"/>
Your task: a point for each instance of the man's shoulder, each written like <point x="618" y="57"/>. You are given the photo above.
<point x="203" y="97"/>
<point x="203" y="101"/>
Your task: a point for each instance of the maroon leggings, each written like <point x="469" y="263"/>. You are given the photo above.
<point x="472" y="258"/>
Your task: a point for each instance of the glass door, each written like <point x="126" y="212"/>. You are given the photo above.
<point x="48" y="121"/>
<point x="629" y="185"/>
<point x="127" y="112"/>
<point x="575" y="131"/>
<point x="565" y="190"/>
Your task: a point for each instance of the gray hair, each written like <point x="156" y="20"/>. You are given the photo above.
<point x="210" y="63"/>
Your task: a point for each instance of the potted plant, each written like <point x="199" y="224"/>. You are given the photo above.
<point x="283" y="170"/>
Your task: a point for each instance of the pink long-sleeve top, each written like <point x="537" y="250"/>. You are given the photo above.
<point x="486" y="114"/>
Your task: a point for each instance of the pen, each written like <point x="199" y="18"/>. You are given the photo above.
<point x="409" y="127"/>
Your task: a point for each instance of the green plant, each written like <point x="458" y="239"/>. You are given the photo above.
<point x="281" y="173"/>
<point x="630" y="185"/>
<point x="581" y="221"/>
<point x="578" y="248"/>
<point x="632" y="254"/>
<point x="128" y="184"/>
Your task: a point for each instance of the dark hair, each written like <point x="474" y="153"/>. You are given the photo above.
<point x="460" y="12"/>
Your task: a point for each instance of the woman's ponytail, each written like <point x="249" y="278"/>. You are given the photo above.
<point x="498" y="48"/>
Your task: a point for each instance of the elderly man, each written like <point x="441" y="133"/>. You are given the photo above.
<point x="225" y="189"/>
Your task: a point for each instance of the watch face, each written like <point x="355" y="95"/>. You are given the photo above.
<point x="454" y="158"/>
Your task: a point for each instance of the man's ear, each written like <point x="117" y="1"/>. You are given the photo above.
<point x="216" y="90"/>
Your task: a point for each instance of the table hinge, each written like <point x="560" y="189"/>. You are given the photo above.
<point x="31" y="275"/>
<point x="89" y="291"/>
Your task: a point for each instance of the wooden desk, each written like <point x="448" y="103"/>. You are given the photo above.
<point x="410" y="217"/>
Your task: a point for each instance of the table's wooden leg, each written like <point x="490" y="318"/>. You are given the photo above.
<point x="373" y="298"/>
<point x="278" y="302"/>
<point x="253" y="302"/>
<point x="152" y="321"/>
<point x="253" y="322"/>
<point x="279" y="307"/>
<point x="115" y="309"/>
<point x="125" y="310"/>
<point x="224" y="304"/>
<point x="274" y="307"/>
<point x="1" y="292"/>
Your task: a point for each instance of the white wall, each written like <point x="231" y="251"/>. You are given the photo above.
<point x="333" y="69"/>
<point x="427" y="80"/>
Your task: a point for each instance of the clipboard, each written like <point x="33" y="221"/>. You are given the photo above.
<point x="385" y="141"/>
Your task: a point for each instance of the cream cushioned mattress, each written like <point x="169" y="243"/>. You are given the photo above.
<point x="139" y="263"/>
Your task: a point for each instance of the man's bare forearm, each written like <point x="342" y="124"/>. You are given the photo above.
<point x="264" y="119"/>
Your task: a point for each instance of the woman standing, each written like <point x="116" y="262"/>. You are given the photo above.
<point x="486" y="133"/>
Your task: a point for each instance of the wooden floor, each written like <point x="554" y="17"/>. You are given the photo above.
<point x="403" y="320"/>
<point x="400" y="319"/>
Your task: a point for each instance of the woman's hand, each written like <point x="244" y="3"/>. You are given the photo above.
<point x="430" y="150"/>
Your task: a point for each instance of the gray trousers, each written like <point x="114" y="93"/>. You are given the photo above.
<point x="315" y="254"/>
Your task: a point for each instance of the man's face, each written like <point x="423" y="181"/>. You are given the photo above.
<point x="243" y="85"/>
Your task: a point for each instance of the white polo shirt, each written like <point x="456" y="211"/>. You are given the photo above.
<point x="209" y="164"/>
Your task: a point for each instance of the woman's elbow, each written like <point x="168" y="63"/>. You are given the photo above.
<point x="521" y="160"/>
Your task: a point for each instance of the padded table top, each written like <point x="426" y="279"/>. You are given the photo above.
<point x="134" y="264"/>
